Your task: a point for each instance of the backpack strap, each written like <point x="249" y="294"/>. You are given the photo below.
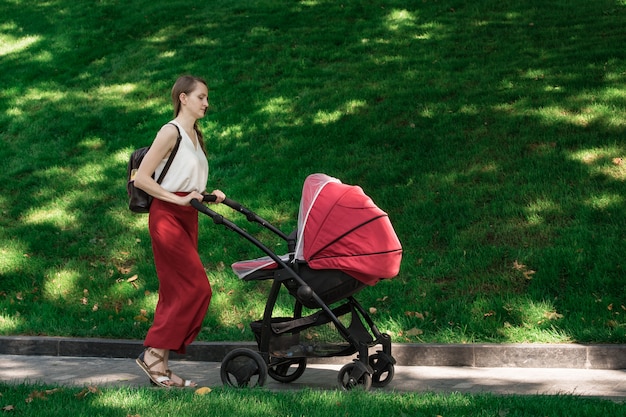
<point x="172" y="155"/>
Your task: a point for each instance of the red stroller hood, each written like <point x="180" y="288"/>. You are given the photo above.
<point x="339" y="227"/>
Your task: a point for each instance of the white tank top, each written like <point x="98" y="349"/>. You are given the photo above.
<point x="189" y="170"/>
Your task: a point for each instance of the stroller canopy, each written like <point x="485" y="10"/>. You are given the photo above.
<point x="339" y="227"/>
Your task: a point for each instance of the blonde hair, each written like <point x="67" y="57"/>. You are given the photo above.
<point x="186" y="84"/>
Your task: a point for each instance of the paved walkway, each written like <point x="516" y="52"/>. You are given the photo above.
<point x="67" y="370"/>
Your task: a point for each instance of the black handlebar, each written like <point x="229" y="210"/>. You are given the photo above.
<point x="219" y="219"/>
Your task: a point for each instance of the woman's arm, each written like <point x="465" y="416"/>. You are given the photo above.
<point x="161" y="147"/>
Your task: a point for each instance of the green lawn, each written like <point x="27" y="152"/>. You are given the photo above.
<point x="35" y="400"/>
<point x="491" y="131"/>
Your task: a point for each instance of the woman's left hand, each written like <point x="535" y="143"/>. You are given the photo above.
<point x="219" y="196"/>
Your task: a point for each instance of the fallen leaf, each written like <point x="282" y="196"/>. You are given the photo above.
<point x="373" y="310"/>
<point x="133" y="278"/>
<point x="415" y="314"/>
<point x="87" y="391"/>
<point x="8" y="408"/>
<point x="552" y="315"/>
<point x="203" y="391"/>
<point x="414" y="332"/>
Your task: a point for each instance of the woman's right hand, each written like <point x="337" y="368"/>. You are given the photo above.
<point x="194" y="195"/>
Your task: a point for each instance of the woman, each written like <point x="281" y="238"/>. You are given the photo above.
<point x="184" y="289"/>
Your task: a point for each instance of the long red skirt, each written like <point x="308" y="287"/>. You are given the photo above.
<point x="184" y="289"/>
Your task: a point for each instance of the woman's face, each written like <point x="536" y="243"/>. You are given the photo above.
<point x="197" y="101"/>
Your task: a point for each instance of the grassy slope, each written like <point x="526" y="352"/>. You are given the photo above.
<point x="490" y="131"/>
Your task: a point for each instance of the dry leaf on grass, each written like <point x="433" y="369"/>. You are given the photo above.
<point x="89" y="390"/>
<point x="203" y="391"/>
<point x="414" y="332"/>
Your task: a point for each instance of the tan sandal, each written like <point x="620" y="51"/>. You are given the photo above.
<point x="160" y="379"/>
<point x="185" y="383"/>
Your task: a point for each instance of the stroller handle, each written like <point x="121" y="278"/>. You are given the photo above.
<point x="210" y="198"/>
<point x="250" y="215"/>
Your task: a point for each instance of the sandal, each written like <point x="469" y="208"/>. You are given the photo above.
<point x="159" y="379"/>
<point x="185" y="383"/>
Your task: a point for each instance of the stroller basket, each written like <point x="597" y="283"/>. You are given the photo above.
<point x="314" y="335"/>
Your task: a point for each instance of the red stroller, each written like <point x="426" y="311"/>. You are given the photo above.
<point x="343" y="243"/>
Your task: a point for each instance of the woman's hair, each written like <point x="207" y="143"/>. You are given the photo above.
<point x="186" y="84"/>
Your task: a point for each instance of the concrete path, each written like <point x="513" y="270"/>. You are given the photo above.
<point x="82" y="371"/>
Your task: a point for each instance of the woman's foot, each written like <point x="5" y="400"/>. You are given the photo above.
<point x="154" y="362"/>
<point x="176" y="381"/>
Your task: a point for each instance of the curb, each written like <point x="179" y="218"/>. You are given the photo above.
<point x="574" y="356"/>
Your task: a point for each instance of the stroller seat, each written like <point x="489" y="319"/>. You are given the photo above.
<point x="331" y="285"/>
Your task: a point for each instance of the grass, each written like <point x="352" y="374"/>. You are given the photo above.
<point x="492" y="132"/>
<point x="35" y="400"/>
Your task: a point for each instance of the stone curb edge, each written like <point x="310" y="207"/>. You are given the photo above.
<point x="576" y="356"/>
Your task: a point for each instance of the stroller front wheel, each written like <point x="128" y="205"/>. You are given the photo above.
<point x="243" y="368"/>
<point x="383" y="369"/>
<point x="351" y="377"/>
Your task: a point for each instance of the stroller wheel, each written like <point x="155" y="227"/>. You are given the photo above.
<point x="351" y="377"/>
<point x="287" y="370"/>
<point x="243" y="368"/>
<point x="383" y="370"/>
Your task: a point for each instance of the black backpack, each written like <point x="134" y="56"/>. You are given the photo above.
<point x="138" y="200"/>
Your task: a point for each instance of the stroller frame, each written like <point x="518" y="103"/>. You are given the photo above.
<point x="245" y="367"/>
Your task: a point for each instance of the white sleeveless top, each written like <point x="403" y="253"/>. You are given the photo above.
<point x="189" y="170"/>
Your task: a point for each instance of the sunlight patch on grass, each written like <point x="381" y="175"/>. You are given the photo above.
<point x="325" y="118"/>
<point x="53" y="215"/>
<point x="8" y="324"/>
<point x="277" y="106"/>
<point x="92" y="143"/>
<point x="10" y="44"/>
<point x="558" y="114"/>
<point x="328" y="117"/>
<point x="171" y="54"/>
<point x="399" y="19"/>
<point x="34" y="95"/>
<point x="607" y="161"/>
<point x="592" y="155"/>
<point x="278" y="111"/>
<point x="90" y="174"/>
<point x="11" y="258"/>
<point x="118" y="94"/>
<point x="232" y="132"/>
<point x="536" y="211"/>
<point x="605" y="201"/>
<point x="60" y="284"/>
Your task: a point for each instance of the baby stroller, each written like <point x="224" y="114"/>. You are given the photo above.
<point x="343" y="244"/>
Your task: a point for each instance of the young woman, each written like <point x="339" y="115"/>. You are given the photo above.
<point x="184" y="289"/>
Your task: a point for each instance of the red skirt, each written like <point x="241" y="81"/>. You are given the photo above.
<point x="184" y="289"/>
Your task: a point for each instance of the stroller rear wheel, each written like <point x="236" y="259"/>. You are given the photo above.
<point x="243" y="368"/>
<point x="287" y="370"/>
<point x="351" y="377"/>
